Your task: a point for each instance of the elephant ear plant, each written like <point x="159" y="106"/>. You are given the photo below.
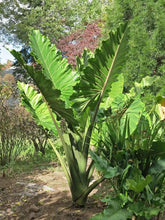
<point x="67" y="102"/>
<point x="131" y="141"/>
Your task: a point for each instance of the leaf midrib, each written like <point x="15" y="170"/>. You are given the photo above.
<point x="43" y="60"/>
<point x="106" y="80"/>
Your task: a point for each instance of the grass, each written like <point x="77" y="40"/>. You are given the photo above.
<point x="27" y="163"/>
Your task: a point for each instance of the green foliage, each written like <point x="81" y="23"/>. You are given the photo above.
<point x="138" y="183"/>
<point x="54" y="67"/>
<point x="56" y="83"/>
<point x="161" y="106"/>
<point x="103" y="166"/>
<point x="132" y="115"/>
<point x="142" y="211"/>
<point x="146" y="40"/>
<point x="116" y="90"/>
<point x="114" y="212"/>
<point x="35" y="105"/>
<point x="18" y="130"/>
<point x="137" y="154"/>
<point x="49" y="76"/>
<point x="55" y="19"/>
<point x="102" y="70"/>
<point x="29" y="160"/>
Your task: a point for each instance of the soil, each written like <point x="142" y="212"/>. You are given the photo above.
<point x="42" y="195"/>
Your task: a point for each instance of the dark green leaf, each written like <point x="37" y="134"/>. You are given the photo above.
<point x="103" y="166"/>
<point x="132" y="115"/>
<point x="114" y="212"/>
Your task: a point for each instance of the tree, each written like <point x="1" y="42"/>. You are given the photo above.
<point x="146" y="38"/>
<point x="54" y="18"/>
<point x="73" y="45"/>
<point x="73" y="98"/>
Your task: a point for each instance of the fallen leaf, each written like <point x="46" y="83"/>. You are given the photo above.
<point x="15" y="215"/>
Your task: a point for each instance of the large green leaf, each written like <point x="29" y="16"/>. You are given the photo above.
<point x="103" y="166"/>
<point x="116" y="90"/>
<point x="50" y="94"/>
<point x="32" y="100"/>
<point x="102" y="70"/>
<point x="138" y="183"/>
<point x="132" y="116"/>
<point x="54" y="67"/>
<point x="119" y="99"/>
<point x="118" y="102"/>
<point x="145" y="82"/>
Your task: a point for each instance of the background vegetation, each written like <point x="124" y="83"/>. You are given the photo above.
<point x="128" y="133"/>
<point x="146" y="41"/>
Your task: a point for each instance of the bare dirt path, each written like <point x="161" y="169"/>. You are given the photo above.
<point x="41" y="195"/>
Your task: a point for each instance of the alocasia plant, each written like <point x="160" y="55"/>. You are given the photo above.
<point x="72" y="100"/>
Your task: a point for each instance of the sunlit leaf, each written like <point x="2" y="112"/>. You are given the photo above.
<point x="102" y="70"/>
<point x="132" y="116"/>
<point x="33" y="102"/>
<point x="138" y="184"/>
<point x="49" y="92"/>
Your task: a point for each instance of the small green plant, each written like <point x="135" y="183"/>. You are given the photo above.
<point x="29" y="160"/>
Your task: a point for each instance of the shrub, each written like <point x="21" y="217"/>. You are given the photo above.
<point x="18" y="130"/>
